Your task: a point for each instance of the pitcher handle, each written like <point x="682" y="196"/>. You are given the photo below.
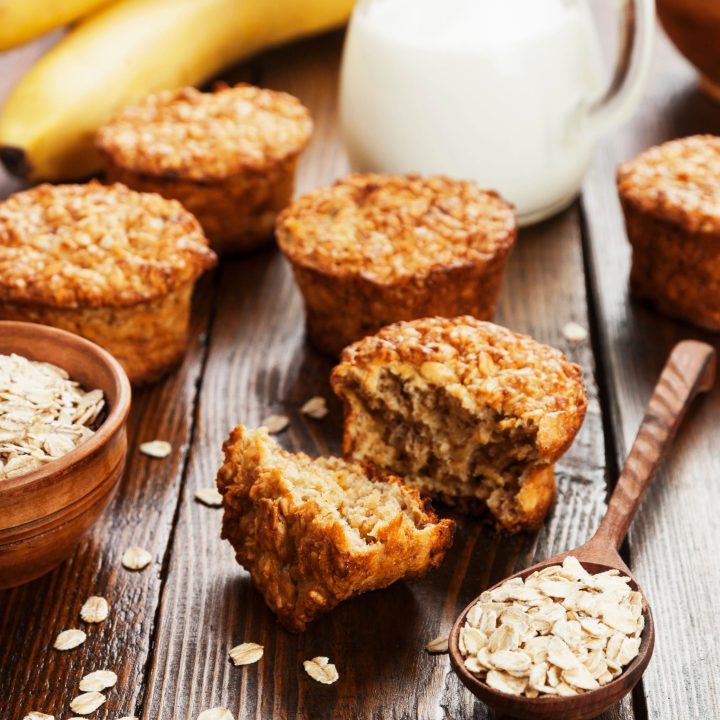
<point x="637" y="30"/>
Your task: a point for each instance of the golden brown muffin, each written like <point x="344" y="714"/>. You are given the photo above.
<point x="670" y="196"/>
<point x="105" y="262"/>
<point x="465" y="410"/>
<point x="374" y="249"/>
<point x="314" y="532"/>
<point x="228" y="156"/>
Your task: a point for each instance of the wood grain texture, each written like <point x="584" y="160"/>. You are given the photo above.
<point x="678" y="524"/>
<point x="259" y="364"/>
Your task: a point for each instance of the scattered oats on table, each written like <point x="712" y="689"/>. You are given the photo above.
<point x="69" y="639"/>
<point x="209" y="496"/>
<point x="87" y="703"/>
<point x="156" y="448"/>
<point x="575" y="333"/>
<point x="561" y="631"/>
<point x="438" y="645"/>
<point x="246" y="653"/>
<point x="43" y="414"/>
<point x="98" y="680"/>
<point x="136" y="558"/>
<point x="275" y="423"/>
<point x="315" y="407"/>
<point x="322" y="670"/>
<point x="94" y="610"/>
<point x="216" y="713"/>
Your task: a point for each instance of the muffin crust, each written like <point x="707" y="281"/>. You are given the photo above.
<point x="314" y="532"/>
<point x="468" y="411"/>
<point x="228" y="156"/>
<point x="670" y="196"/>
<point x="373" y="249"/>
<point x="105" y="262"/>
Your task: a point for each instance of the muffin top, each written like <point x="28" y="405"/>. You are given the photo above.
<point x="388" y="228"/>
<point x="95" y="245"/>
<point x="678" y="181"/>
<point x="483" y="364"/>
<point x="194" y="135"/>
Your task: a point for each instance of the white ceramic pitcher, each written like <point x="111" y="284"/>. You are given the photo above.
<point x="509" y="93"/>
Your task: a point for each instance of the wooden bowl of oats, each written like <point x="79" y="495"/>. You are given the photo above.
<point x="64" y="403"/>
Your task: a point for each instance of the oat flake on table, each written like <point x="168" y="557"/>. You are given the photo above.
<point x="315" y="407"/>
<point x="209" y="496"/>
<point x="35" y="715"/>
<point x="69" y="639"/>
<point x="87" y="703"/>
<point x="94" y="610"/>
<point x="156" y="448"/>
<point x="438" y="645"/>
<point x="246" y="653"/>
<point x="98" y="680"/>
<point x="275" y="423"/>
<point x="136" y="558"/>
<point x="575" y="333"/>
<point x="322" y="670"/>
<point x="216" y="713"/>
<point x="43" y="414"/>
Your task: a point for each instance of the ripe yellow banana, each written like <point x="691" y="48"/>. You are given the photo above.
<point x="126" y="51"/>
<point x="23" y="20"/>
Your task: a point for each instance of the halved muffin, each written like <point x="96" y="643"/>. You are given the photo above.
<point x="464" y="410"/>
<point x="670" y="196"/>
<point x="228" y="156"/>
<point x="105" y="262"/>
<point x="314" y="532"/>
<point x="374" y="249"/>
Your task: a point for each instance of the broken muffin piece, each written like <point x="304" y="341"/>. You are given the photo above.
<point x="464" y="410"/>
<point x="314" y="532"/>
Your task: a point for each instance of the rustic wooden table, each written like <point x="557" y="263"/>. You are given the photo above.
<point x="171" y="626"/>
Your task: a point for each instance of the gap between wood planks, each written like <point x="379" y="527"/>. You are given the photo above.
<point x="612" y="466"/>
<point x="165" y="567"/>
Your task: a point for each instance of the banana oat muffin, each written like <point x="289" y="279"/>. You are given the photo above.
<point x="105" y="262"/>
<point x="228" y="156"/>
<point x="374" y="249"/>
<point x="464" y="410"/>
<point x="314" y="532"/>
<point x="670" y="196"/>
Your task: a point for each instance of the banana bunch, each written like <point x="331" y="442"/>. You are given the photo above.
<point x="121" y="52"/>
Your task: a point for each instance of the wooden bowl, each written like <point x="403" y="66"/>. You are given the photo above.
<point x="44" y="514"/>
<point x="694" y="28"/>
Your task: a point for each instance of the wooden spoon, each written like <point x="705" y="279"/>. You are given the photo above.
<point x="690" y="370"/>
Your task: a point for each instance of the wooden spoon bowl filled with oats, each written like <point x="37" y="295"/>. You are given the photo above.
<point x="64" y="403"/>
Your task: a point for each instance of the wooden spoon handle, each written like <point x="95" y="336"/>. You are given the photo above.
<point x="690" y="370"/>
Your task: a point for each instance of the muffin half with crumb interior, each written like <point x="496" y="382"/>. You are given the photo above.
<point x="374" y="249"/>
<point x="228" y="156"/>
<point x="670" y="196"/>
<point x="114" y="265"/>
<point x="464" y="410"/>
<point x="314" y="532"/>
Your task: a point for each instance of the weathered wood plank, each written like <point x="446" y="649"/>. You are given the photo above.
<point x="258" y="364"/>
<point x="677" y="531"/>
